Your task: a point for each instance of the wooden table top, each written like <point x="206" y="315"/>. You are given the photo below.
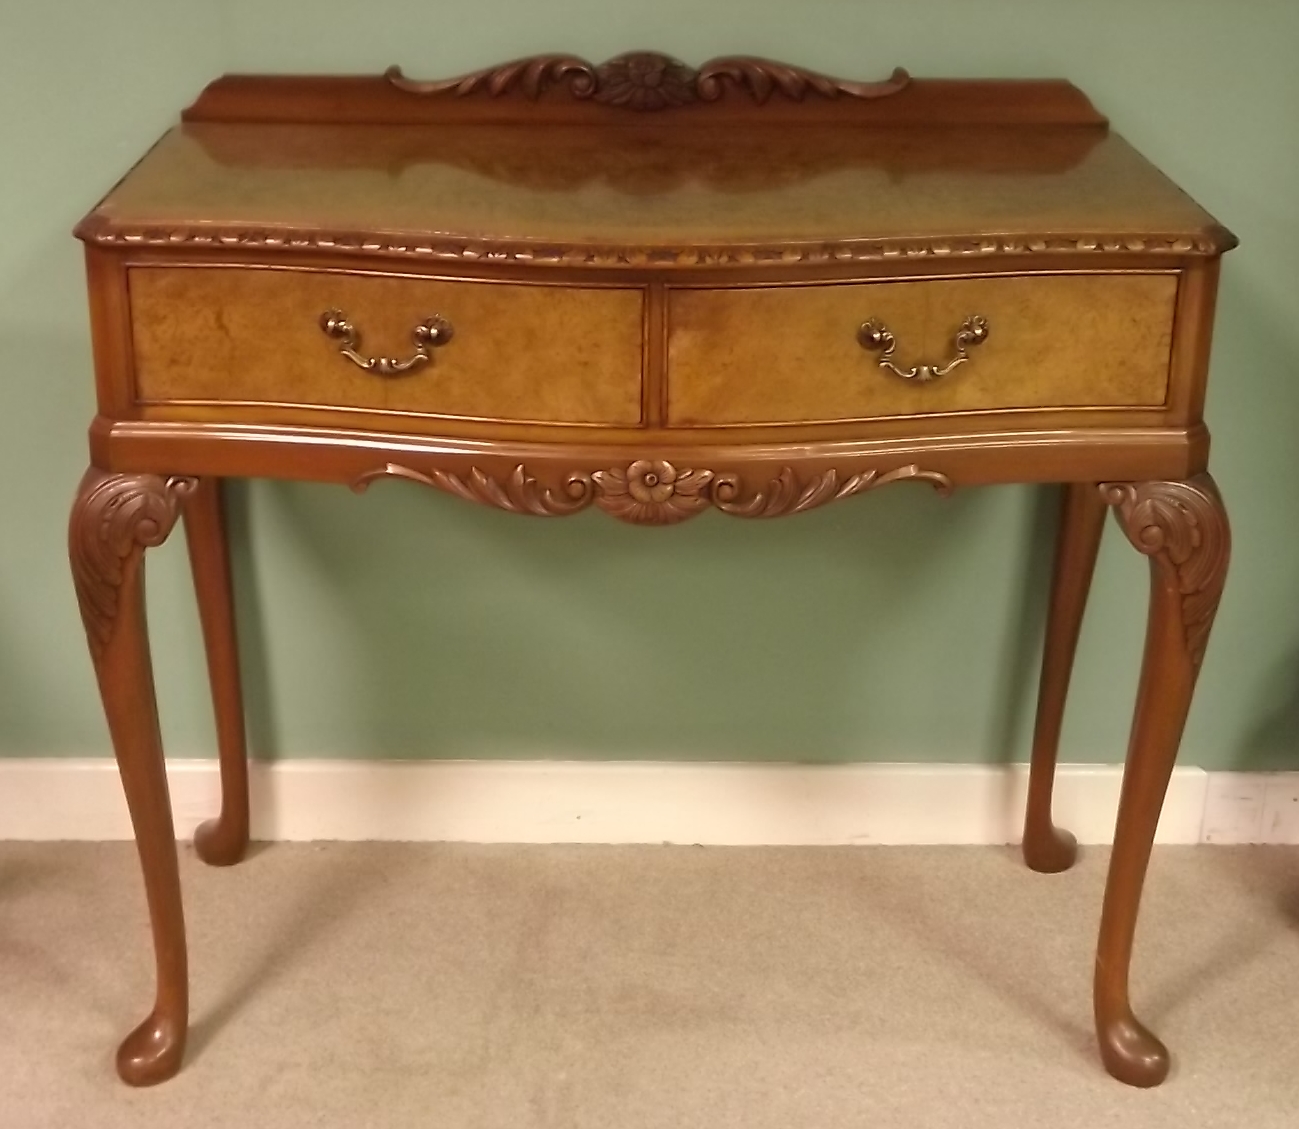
<point x="737" y="185"/>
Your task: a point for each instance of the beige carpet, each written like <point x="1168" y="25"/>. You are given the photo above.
<point x="359" y="986"/>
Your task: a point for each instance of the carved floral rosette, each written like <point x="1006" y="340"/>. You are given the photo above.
<point x="654" y="491"/>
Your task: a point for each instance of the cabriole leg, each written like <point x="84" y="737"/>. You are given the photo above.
<point x="1182" y="527"/>
<point x="1046" y="847"/>
<point x="114" y="518"/>
<point x="221" y="841"/>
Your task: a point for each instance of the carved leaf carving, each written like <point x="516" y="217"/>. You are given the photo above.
<point x="115" y="517"/>
<point x="654" y="492"/>
<point x="762" y="77"/>
<point x="649" y="80"/>
<point x="530" y="76"/>
<point x="521" y="493"/>
<point x="1183" y="526"/>
<point x="786" y="495"/>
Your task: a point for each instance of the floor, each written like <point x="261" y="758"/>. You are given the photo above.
<point x="391" y="985"/>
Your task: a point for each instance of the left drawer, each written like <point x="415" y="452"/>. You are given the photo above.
<point x="509" y="352"/>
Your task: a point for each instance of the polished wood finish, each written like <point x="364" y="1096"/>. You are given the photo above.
<point x="221" y="841"/>
<point x="656" y="491"/>
<point x="113" y="519"/>
<point x="648" y="81"/>
<point x="523" y="353"/>
<point x="1095" y="341"/>
<point x="1182" y="527"/>
<point x="507" y="193"/>
<point x="731" y="88"/>
<point x="678" y="190"/>
<point x="640" y="287"/>
<point x="1047" y="848"/>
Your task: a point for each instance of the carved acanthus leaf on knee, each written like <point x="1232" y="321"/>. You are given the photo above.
<point x="1183" y="526"/>
<point x="116" y="516"/>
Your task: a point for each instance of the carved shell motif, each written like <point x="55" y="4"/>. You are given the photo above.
<point x="653" y="491"/>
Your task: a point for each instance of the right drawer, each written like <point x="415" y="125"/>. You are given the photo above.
<point x="795" y="354"/>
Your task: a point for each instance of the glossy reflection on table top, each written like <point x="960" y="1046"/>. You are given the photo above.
<point x="650" y="184"/>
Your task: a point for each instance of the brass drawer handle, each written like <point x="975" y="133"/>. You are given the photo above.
<point x="875" y="335"/>
<point x="429" y="334"/>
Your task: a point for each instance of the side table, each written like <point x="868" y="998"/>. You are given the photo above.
<point x="655" y="290"/>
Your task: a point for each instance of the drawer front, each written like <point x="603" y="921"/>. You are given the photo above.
<point x="545" y="354"/>
<point x="783" y="355"/>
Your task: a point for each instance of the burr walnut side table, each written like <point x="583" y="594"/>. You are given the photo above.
<point x="654" y="290"/>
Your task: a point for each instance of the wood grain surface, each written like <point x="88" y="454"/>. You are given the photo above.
<point x="523" y="353"/>
<point x="791" y="353"/>
<point x="648" y="193"/>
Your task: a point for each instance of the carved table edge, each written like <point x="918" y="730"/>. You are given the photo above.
<point x="443" y="247"/>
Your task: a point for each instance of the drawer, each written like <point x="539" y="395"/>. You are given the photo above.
<point x="781" y="355"/>
<point x="547" y="354"/>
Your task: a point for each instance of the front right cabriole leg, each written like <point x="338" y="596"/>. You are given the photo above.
<point x="1182" y="527"/>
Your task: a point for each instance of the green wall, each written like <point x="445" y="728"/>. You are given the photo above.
<point x="896" y="626"/>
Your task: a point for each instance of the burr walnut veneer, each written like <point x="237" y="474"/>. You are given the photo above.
<point x="654" y="290"/>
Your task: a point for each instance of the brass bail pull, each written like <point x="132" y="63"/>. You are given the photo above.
<point x="875" y="336"/>
<point x="428" y="335"/>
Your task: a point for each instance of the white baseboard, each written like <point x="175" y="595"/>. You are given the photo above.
<point x="1252" y="807"/>
<point x="644" y="802"/>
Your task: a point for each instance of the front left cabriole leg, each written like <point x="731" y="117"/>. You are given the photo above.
<point x="114" y="519"/>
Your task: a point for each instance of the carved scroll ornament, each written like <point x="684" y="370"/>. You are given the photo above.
<point x="648" y="80"/>
<point x="1183" y="527"/>
<point x="115" y="517"/>
<point x="653" y="491"/>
